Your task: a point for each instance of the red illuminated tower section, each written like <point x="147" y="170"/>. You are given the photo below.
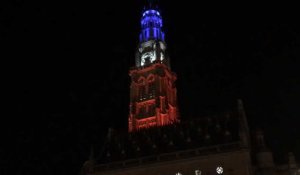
<point x="153" y="94"/>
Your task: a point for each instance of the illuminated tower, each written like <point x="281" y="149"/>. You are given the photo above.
<point x="153" y="94"/>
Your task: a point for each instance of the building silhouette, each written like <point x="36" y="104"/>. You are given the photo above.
<point x="159" y="142"/>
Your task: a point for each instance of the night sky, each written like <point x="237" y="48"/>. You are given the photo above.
<point x="68" y="80"/>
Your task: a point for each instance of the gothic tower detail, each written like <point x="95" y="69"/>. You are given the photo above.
<point x="153" y="94"/>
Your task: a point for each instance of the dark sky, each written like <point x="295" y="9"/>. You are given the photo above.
<point x="68" y="74"/>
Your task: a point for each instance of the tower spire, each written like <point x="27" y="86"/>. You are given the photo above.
<point x="152" y="4"/>
<point x="243" y="129"/>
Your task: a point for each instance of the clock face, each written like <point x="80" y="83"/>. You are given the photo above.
<point x="147" y="55"/>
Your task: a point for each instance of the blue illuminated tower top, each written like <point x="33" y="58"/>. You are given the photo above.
<point x="151" y="24"/>
<point x="152" y="46"/>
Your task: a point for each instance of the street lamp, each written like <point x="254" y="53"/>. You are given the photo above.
<point x="219" y="170"/>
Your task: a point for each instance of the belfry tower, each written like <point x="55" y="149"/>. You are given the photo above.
<point x="153" y="94"/>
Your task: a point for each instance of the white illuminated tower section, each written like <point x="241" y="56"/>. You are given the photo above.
<point x="153" y="98"/>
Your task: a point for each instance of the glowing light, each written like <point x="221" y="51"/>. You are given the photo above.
<point x="197" y="172"/>
<point x="161" y="56"/>
<point x="150" y="55"/>
<point x="219" y="170"/>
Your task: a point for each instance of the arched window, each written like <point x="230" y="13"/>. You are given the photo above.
<point x="142" y="92"/>
<point x="151" y="89"/>
<point x="142" y="112"/>
<point x="151" y="86"/>
<point x="151" y="110"/>
<point x="141" y="88"/>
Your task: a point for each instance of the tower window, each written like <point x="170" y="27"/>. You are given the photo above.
<point x="142" y="92"/>
<point x="154" y="33"/>
<point x="151" y="89"/>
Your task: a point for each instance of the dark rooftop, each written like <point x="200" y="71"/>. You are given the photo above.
<point x="186" y="135"/>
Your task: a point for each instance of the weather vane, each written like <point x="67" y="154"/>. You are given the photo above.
<point x="152" y="3"/>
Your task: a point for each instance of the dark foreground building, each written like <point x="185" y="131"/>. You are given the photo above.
<point x="159" y="143"/>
